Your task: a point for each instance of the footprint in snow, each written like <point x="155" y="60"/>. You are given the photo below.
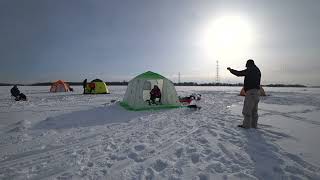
<point x="179" y="152"/>
<point x="134" y="156"/>
<point x="212" y="132"/>
<point x="302" y="163"/>
<point x="191" y="150"/>
<point x="140" y="147"/>
<point x="195" y="158"/>
<point x="221" y="124"/>
<point x="235" y="168"/>
<point x="159" y="165"/>
<point x="202" y="140"/>
<point x="226" y="151"/>
<point x="216" y="168"/>
<point x="203" y="177"/>
<point x="206" y="151"/>
<point x="90" y="164"/>
<point x="231" y="132"/>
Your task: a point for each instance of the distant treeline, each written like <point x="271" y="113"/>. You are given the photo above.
<point x="206" y="84"/>
<point x="125" y="83"/>
<point x="285" y="85"/>
<point x="9" y="84"/>
<point x="236" y="84"/>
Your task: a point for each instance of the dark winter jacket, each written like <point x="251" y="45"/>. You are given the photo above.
<point x="84" y="83"/>
<point x="155" y="92"/>
<point x="15" y="91"/>
<point x="252" y="77"/>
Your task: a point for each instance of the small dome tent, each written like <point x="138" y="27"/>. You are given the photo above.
<point x="96" y="86"/>
<point x="261" y="92"/>
<point x="60" y="86"/>
<point x="137" y="96"/>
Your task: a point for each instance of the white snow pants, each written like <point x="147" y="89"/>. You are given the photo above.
<point x="250" y="108"/>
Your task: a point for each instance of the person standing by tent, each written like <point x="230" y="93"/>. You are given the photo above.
<point x="84" y="85"/>
<point x="252" y="78"/>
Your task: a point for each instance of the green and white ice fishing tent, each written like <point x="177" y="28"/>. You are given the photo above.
<point x="138" y="93"/>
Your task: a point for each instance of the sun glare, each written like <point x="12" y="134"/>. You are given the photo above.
<point x="227" y="37"/>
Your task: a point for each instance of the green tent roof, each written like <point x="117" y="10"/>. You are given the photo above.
<point x="150" y="75"/>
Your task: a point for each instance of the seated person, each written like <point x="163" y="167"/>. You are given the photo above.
<point x="15" y="91"/>
<point x="155" y="93"/>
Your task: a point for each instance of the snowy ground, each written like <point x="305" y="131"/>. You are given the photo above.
<point x="75" y="136"/>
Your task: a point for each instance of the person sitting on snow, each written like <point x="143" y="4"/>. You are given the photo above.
<point x="15" y="91"/>
<point x="155" y="93"/>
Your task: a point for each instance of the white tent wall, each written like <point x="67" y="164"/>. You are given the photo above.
<point x="138" y="91"/>
<point x="134" y="93"/>
<point x="169" y="94"/>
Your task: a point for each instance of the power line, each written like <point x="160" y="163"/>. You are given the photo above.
<point x="217" y="77"/>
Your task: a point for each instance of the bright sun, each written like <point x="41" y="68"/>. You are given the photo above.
<point x="227" y="37"/>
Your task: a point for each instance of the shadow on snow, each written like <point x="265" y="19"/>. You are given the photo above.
<point x="92" y="117"/>
<point x="269" y="159"/>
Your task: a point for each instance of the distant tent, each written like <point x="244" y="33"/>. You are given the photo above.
<point x="137" y="96"/>
<point x="60" y="86"/>
<point x="261" y="92"/>
<point x="96" y="86"/>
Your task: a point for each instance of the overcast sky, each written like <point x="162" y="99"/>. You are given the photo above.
<point x="46" y="40"/>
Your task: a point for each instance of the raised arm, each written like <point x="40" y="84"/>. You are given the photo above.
<point x="238" y="73"/>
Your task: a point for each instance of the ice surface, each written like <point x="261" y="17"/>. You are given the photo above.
<point x="75" y="136"/>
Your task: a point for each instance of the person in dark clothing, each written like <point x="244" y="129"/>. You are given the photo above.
<point x="21" y="97"/>
<point x="15" y="91"/>
<point x="84" y="85"/>
<point x="155" y="93"/>
<point x="252" y="78"/>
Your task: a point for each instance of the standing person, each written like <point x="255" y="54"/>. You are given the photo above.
<point x="84" y="85"/>
<point x="252" y="78"/>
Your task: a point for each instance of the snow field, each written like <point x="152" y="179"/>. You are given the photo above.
<point x="74" y="136"/>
